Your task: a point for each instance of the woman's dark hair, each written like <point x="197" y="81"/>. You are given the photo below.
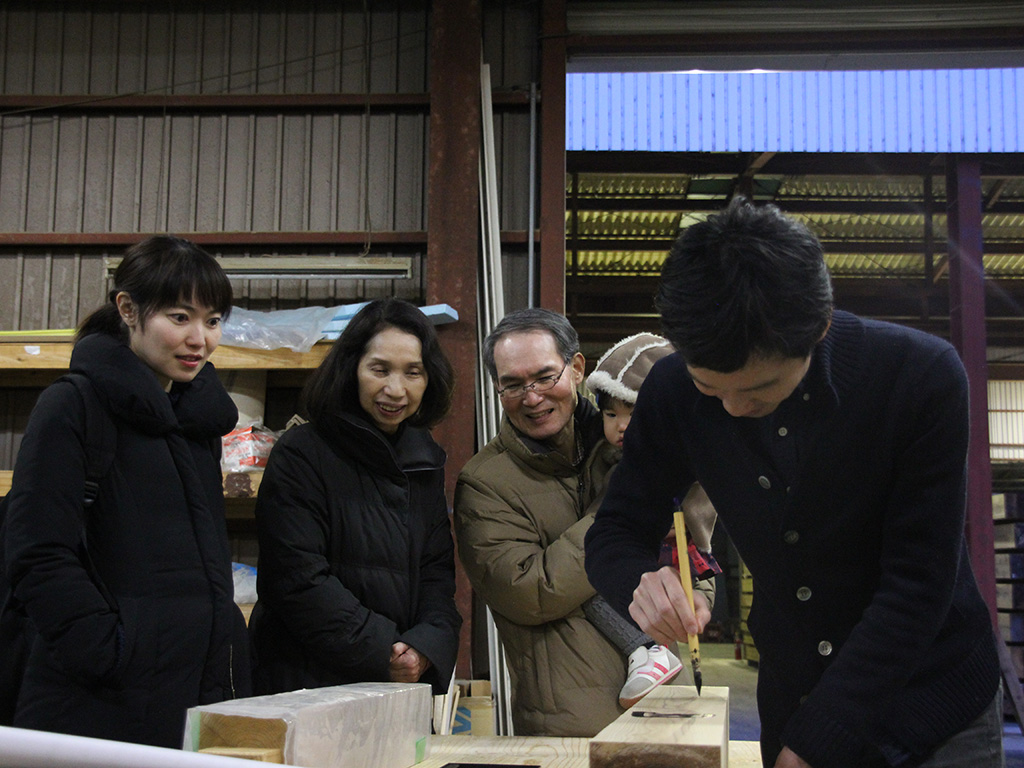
<point x="334" y="385"/>
<point x="160" y="272"/>
<point x="746" y="282"/>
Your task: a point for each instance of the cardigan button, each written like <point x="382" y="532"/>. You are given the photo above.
<point x="783" y="431"/>
<point x="803" y="594"/>
<point x="791" y="537"/>
<point x="764" y="482"/>
<point x="825" y="648"/>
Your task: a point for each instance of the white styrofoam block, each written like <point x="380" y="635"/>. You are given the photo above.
<point x="363" y="725"/>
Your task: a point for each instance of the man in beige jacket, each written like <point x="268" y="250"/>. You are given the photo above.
<point x="520" y="524"/>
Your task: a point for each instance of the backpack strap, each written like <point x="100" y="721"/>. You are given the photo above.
<point x="100" y="450"/>
<point x="100" y="437"/>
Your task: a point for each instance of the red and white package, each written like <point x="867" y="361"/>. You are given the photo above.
<point x="246" y="448"/>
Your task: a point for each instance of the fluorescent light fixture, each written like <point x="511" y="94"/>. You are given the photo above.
<point x="307" y="267"/>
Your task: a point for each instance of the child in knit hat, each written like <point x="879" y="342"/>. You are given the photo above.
<point x="615" y="382"/>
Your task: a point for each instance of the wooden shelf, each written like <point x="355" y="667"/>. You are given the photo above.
<point x="29" y="354"/>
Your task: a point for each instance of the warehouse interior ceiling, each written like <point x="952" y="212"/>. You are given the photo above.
<point x="881" y="219"/>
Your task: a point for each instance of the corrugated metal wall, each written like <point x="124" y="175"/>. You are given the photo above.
<point x="973" y="110"/>
<point x="216" y="167"/>
<point x="204" y="170"/>
<point x="220" y="170"/>
<point x="1006" y="420"/>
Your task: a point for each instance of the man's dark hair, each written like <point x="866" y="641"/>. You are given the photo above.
<point x="746" y="282"/>
<point x="334" y="385"/>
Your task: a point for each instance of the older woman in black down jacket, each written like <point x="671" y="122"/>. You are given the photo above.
<point x="131" y="602"/>
<point x="356" y="573"/>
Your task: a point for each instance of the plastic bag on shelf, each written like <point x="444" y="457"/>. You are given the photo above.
<point x="296" y="329"/>
<point x="247" y="448"/>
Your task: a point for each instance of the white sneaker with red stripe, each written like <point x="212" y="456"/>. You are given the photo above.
<point x="648" y="668"/>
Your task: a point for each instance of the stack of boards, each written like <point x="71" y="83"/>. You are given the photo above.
<point x="383" y="725"/>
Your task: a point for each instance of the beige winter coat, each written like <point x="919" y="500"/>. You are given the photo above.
<point x="520" y="523"/>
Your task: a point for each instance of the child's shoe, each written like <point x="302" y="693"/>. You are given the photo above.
<point x="648" y="668"/>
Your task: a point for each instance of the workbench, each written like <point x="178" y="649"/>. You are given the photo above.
<point x="543" y="751"/>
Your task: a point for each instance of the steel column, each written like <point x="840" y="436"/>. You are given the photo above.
<point x="967" y="331"/>
<point x="552" y="155"/>
<point x="453" y="235"/>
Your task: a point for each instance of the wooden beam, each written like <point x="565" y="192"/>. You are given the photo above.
<point x="671" y="726"/>
<point x="454" y="235"/>
<point x="541" y="751"/>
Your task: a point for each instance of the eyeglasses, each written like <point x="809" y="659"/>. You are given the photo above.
<point x="543" y="384"/>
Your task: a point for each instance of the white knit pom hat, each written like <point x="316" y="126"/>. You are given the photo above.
<point x="623" y="368"/>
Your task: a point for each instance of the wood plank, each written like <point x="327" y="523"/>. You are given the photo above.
<point x="543" y="751"/>
<point x="687" y="730"/>
<point x="20" y="355"/>
<point x="376" y="725"/>
<point x="259" y="754"/>
<point x="46" y="355"/>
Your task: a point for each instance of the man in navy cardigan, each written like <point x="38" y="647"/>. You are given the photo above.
<point x="834" y="449"/>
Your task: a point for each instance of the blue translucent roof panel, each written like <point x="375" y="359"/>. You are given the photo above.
<point x="943" y="110"/>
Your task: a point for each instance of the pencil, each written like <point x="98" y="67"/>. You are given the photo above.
<point x="684" y="576"/>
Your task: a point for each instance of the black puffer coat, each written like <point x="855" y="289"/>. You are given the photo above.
<point x="356" y="554"/>
<point x="167" y="635"/>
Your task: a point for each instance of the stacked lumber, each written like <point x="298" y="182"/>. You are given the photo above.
<point x="364" y="725"/>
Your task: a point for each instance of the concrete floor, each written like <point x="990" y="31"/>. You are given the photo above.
<point x="720" y="667"/>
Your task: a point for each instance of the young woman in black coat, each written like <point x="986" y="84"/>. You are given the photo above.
<point x="131" y="601"/>
<point x="356" y="574"/>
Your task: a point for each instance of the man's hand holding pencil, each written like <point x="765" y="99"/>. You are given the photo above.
<point x="661" y="609"/>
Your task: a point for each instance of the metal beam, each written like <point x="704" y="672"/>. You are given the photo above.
<point x="967" y="329"/>
<point x="932" y="40"/>
<point x="552" y="155"/>
<point x="832" y="245"/>
<point x="135" y="103"/>
<point x="453" y="237"/>
<point x="682" y="204"/>
<point x="381" y="240"/>
<point x="872" y="164"/>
